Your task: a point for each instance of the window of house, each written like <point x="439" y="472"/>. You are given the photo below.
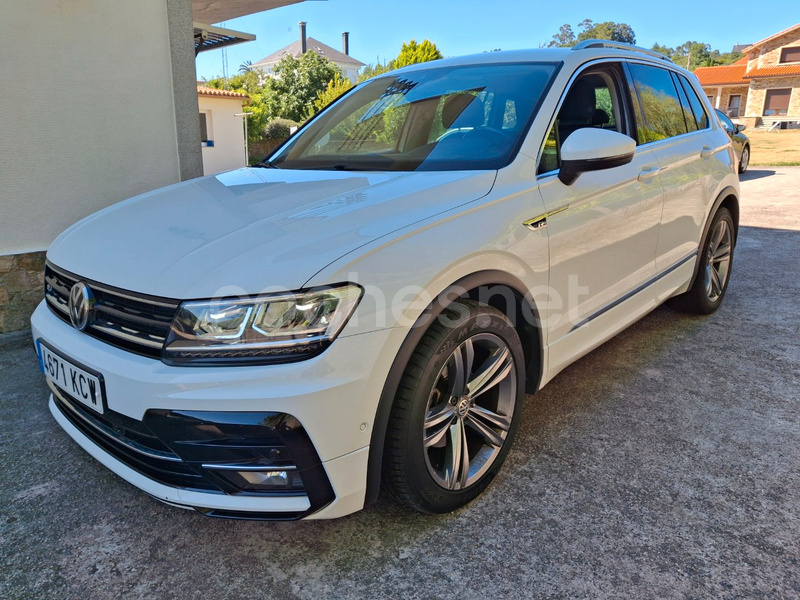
<point x="734" y="103"/>
<point x="791" y="54"/>
<point x="204" y="127"/>
<point x="661" y="109"/>
<point x="777" y="102"/>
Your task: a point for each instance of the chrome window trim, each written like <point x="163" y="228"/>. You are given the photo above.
<point x="669" y="66"/>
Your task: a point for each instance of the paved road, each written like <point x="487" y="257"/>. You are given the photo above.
<point x="665" y="464"/>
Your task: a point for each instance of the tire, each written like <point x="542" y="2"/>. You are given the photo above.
<point x="432" y="418"/>
<point x="744" y="160"/>
<point x="713" y="274"/>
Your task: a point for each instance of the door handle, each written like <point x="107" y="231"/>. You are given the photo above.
<point x="706" y="152"/>
<point x="648" y="173"/>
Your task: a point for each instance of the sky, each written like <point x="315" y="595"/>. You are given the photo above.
<point x="378" y="27"/>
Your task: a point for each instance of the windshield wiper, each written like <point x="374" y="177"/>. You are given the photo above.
<point x="348" y="167"/>
<point x="266" y="164"/>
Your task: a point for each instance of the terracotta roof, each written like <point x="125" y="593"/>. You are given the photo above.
<point x="724" y="75"/>
<point x="312" y="45"/>
<point x="772" y="37"/>
<point x="776" y="71"/>
<point x="207" y="91"/>
<point x="742" y="61"/>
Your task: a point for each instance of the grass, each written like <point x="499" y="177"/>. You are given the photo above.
<point x="774" y="149"/>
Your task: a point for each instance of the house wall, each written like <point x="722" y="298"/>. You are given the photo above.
<point x="88" y="102"/>
<point x="88" y="114"/>
<point x="769" y="54"/>
<point x="725" y="96"/>
<point x="758" y="94"/>
<point x="226" y="130"/>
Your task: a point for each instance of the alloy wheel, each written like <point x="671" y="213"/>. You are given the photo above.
<point x="718" y="260"/>
<point x="469" y="411"/>
<point x="744" y="161"/>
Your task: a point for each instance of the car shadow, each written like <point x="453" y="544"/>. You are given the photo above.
<point x="756" y="174"/>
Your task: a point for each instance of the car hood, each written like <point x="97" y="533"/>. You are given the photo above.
<point x="252" y="230"/>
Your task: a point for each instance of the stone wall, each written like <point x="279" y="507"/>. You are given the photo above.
<point x="769" y="54"/>
<point x="21" y="289"/>
<point x="758" y="94"/>
<point x="725" y="96"/>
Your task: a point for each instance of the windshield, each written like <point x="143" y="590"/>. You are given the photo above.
<point x="436" y="119"/>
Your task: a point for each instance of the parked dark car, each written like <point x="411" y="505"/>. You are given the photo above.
<point x="741" y="143"/>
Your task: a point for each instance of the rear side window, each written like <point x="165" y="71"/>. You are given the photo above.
<point x="661" y="107"/>
<point x="688" y="115"/>
<point x="700" y="115"/>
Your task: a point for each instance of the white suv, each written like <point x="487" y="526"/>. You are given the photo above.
<point x="367" y="309"/>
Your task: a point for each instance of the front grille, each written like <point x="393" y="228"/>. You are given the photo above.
<point x="135" y="322"/>
<point x="131" y="443"/>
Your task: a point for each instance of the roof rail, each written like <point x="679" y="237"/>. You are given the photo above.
<point x="619" y="46"/>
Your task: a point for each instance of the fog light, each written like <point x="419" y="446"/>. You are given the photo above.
<point x="266" y="478"/>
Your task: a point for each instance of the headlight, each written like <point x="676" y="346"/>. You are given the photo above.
<point x="275" y="328"/>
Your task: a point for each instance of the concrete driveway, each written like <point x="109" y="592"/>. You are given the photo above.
<point x="664" y="464"/>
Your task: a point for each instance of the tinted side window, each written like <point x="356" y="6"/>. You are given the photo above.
<point x="593" y="100"/>
<point x="697" y="106"/>
<point x="663" y="114"/>
<point x="688" y="115"/>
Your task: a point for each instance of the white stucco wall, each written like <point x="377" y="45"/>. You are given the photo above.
<point x="226" y="130"/>
<point x="86" y="112"/>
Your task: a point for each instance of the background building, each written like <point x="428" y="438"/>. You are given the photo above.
<point x="100" y="103"/>
<point x="343" y="60"/>
<point x="221" y="129"/>
<point x="763" y="88"/>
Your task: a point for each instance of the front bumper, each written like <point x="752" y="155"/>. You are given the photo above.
<point x="330" y="399"/>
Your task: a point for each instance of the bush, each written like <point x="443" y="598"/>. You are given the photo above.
<point x="278" y="129"/>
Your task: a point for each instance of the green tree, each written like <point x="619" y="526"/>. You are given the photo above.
<point x="370" y="71"/>
<point x="697" y="54"/>
<point x="589" y="30"/>
<point x="412" y="53"/>
<point x="607" y="30"/>
<point x="249" y="83"/>
<point x="335" y="88"/>
<point x="564" y="38"/>
<point x="294" y="84"/>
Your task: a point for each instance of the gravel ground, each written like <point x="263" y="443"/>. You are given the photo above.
<point x="664" y="464"/>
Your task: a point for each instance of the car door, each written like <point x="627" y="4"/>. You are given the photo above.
<point x="674" y="125"/>
<point x="602" y="229"/>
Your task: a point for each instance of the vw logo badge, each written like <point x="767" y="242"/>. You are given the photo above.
<point x="81" y="302"/>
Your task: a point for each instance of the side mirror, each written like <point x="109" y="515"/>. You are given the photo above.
<point x="592" y="149"/>
<point x="740" y="128"/>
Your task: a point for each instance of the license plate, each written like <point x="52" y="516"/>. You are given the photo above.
<point x="79" y="382"/>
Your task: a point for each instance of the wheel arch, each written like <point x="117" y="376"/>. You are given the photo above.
<point x="729" y="198"/>
<point x="495" y="288"/>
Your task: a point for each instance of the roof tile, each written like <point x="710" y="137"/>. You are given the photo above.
<point x="207" y="91"/>
<point x="312" y="45"/>
<point x="726" y="74"/>
<point x="776" y="71"/>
